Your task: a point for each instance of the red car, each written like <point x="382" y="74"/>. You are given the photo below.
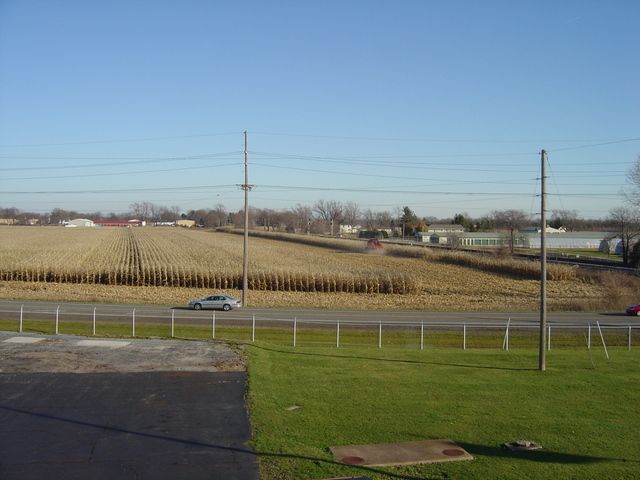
<point x="634" y="310"/>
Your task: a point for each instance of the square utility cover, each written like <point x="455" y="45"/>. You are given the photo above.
<point x="405" y="453"/>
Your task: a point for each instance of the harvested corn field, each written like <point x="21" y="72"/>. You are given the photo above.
<point x="186" y="258"/>
<point x="121" y="263"/>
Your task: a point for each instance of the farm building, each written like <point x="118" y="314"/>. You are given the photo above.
<point x="80" y="222"/>
<point x="349" y="229"/>
<point x="186" y="223"/>
<point x="547" y="230"/>
<point x="614" y="245"/>
<point x="445" y="228"/>
<point x="590" y="240"/>
<point x="440" y="233"/>
<point x="121" y="223"/>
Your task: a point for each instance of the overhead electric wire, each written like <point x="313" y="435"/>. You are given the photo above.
<point x="591" y="145"/>
<point x="118" y="190"/>
<point x="355" y="158"/>
<point x="126" y="140"/>
<point x="359" y="174"/>
<point x="422" y="139"/>
<point x="134" y="172"/>
<point x="110" y="164"/>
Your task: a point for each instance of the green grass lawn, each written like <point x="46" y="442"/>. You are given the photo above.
<point x="585" y="252"/>
<point x="583" y="409"/>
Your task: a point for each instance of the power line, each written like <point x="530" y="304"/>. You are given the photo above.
<point x="355" y="158"/>
<point x="110" y="164"/>
<point x="359" y="174"/>
<point x="422" y="139"/>
<point x="126" y="140"/>
<point x="591" y="145"/>
<point x="118" y="190"/>
<point x="86" y="175"/>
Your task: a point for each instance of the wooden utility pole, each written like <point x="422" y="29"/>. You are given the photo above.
<point x="245" y="251"/>
<point x="542" y="354"/>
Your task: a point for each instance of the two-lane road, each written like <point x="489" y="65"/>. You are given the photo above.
<point x="149" y="313"/>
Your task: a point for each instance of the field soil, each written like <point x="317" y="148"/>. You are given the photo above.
<point x="523" y="297"/>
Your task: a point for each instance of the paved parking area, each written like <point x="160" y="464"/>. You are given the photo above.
<point x="106" y="415"/>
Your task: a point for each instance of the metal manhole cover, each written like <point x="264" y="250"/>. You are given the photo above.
<point x="453" y="452"/>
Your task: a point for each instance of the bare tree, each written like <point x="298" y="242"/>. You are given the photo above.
<point x="512" y="220"/>
<point x="303" y="216"/>
<point x="627" y="221"/>
<point x="633" y="175"/>
<point x="565" y="218"/>
<point x="369" y="219"/>
<point x="142" y="210"/>
<point x="330" y="211"/>
<point x="219" y="215"/>
<point x="165" y="214"/>
<point x="384" y="219"/>
<point x="351" y="213"/>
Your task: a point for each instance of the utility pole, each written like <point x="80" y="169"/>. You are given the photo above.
<point x="245" y="251"/>
<point x="542" y="354"/>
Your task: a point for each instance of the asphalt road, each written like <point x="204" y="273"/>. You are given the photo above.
<point x="147" y="313"/>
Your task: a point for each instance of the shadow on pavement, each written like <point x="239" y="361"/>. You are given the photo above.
<point x="244" y="451"/>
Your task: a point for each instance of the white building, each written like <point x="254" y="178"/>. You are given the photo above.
<point x="347" y="229"/>
<point x="80" y="222"/>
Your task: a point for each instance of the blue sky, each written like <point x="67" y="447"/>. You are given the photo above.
<point x="441" y="106"/>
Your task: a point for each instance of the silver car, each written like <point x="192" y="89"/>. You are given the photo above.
<point x="223" y="302"/>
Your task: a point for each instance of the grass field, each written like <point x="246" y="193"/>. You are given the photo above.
<point x="583" y="252"/>
<point x="583" y="413"/>
<point x="171" y="266"/>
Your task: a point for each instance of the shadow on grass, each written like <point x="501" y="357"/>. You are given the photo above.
<point x="393" y="360"/>
<point x="541" y="455"/>
<point x="242" y="452"/>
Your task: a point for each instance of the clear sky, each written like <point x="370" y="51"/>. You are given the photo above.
<point x="443" y="106"/>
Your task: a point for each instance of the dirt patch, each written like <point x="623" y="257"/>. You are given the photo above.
<point x="68" y="354"/>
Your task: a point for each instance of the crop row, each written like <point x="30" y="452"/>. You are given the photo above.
<point x="159" y="257"/>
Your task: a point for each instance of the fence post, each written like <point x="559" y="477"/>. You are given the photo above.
<point x="253" y="329"/>
<point x="421" y="335"/>
<point x="133" y="323"/>
<point x="464" y="336"/>
<point x="57" y="318"/>
<point x="21" y="309"/>
<point x="549" y="337"/>
<point x="338" y="335"/>
<point x="589" y="338"/>
<point x="213" y="325"/>
<point x="505" y="341"/>
<point x="173" y="319"/>
<point x="295" y="330"/>
<point x="380" y="335"/>
<point x="602" y="338"/>
<point x="629" y="337"/>
<point x="94" y="321"/>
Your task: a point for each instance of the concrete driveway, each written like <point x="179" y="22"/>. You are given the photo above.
<point x="77" y="408"/>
